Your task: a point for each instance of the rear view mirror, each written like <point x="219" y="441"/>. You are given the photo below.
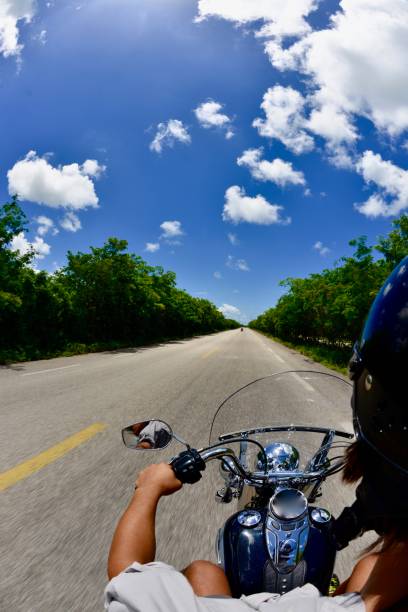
<point x="147" y="435"/>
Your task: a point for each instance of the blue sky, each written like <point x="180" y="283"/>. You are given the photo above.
<point x="93" y="80"/>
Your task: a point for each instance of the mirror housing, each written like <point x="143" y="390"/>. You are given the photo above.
<point x="147" y="435"/>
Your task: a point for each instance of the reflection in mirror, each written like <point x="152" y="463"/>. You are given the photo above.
<point x="147" y="435"/>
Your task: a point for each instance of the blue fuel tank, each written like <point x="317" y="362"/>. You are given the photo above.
<point x="249" y="567"/>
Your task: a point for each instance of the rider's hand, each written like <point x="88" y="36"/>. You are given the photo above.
<point x="158" y="478"/>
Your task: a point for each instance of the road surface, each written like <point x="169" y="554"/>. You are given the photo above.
<point x="66" y="477"/>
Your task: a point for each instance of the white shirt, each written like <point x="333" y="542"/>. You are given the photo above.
<point x="157" y="587"/>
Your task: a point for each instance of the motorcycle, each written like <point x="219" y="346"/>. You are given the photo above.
<point x="278" y="538"/>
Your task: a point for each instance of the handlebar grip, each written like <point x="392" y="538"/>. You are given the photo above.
<point x="348" y="526"/>
<point x="188" y="465"/>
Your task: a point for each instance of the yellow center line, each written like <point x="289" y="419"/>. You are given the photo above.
<point x="25" y="469"/>
<point x="206" y="355"/>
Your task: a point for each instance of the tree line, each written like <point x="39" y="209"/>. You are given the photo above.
<point x="103" y="298"/>
<point x="330" y="307"/>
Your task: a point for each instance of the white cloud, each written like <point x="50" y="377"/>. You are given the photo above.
<point x="169" y="133"/>
<point x="45" y="224"/>
<point x="321" y="249"/>
<point x="237" y="264"/>
<point x="356" y="66"/>
<point x="41" y="37"/>
<point x="209" y="116"/>
<point x="91" y="167"/>
<point x="331" y="124"/>
<point x="228" y="310"/>
<point x="392" y="184"/>
<point x="171" y="229"/>
<point x="281" y="18"/>
<point x="276" y="171"/>
<point x="233" y="238"/>
<point x="284" y="119"/>
<point x="11" y="13"/>
<point x="24" y="246"/>
<point x="152" y="247"/>
<point x="239" y="207"/>
<point x="70" y="222"/>
<point x="374" y="207"/>
<point x="35" y="179"/>
<point x="217" y="275"/>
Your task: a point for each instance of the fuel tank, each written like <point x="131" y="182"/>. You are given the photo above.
<point x="246" y="557"/>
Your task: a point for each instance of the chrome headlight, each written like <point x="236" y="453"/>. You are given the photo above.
<point x="282" y="457"/>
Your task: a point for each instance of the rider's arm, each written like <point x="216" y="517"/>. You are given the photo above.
<point x="134" y="538"/>
<point x="380" y="578"/>
<point x="387" y="583"/>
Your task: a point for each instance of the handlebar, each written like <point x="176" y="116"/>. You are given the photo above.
<point x="190" y="463"/>
<point x="291" y="428"/>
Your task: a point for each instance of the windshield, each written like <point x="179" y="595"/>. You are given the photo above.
<point x="293" y="398"/>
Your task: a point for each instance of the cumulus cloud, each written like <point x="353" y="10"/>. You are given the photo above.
<point x="35" y="179"/>
<point x="321" y="249"/>
<point x="280" y="18"/>
<point x="228" y="310"/>
<point x="284" y="119"/>
<point x="11" y="13"/>
<point x="239" y="207"/>
<point x="217" y="275"/>
<point x="237" y="264"/>
<point x="152" y="247"/>
<point x="209" y="116"/>
<point x="391" y="182"/>
<point x="38" y="247"/>
<point x="168" y="134"/>
<point x="356" y="66"/>
<point x="70" y="222"/>
<point x="171" y="230"/>
<point x="91" y="167"/>
<point x="276" y="171"/>
<point x="45" y="225"/>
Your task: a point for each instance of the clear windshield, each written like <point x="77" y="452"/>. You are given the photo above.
<point x="299" y="398"/>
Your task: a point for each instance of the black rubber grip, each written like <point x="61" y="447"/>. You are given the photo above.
<point x="188" y="466"/>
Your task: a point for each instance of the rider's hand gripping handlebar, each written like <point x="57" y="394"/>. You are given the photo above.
<point x="188" y="465"/>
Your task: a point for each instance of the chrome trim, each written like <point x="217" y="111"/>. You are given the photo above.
<point x="281" y="457"/>
<point x="320" y="515"/>
<point x="286" y="538"/>
<point x="288" y="505"/>
<point x="218" y="453"/>
<point x="219" y="547"/>
<point x="249" y="518"/>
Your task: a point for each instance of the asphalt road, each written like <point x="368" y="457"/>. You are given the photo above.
<point x="57" y="516"/>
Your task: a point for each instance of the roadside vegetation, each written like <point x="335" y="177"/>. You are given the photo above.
<point x="322" y="315"/>
<point x="101" y="300"/>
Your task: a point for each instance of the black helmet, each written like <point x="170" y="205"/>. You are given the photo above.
<point x="379" y="369"/>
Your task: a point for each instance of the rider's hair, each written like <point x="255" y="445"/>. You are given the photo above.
<point x="362" y="460"/>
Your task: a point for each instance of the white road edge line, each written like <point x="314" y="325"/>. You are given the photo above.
<point x="278" y="357"/>
<point x="124" y="355"/>
<point x="75" y="365"/>
<point x="302" y="381"/>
